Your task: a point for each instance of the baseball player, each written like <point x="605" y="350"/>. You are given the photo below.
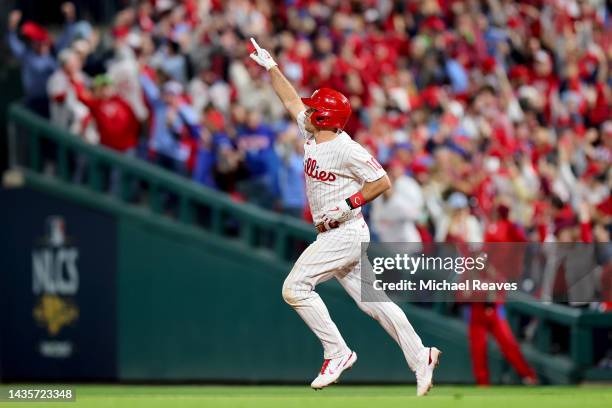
<point x="341" y="176"/>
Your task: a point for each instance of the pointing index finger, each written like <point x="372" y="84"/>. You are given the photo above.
<point x="257" y="47"/>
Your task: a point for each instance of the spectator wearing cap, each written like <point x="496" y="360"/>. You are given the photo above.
<point x="216" y="155"/>
<point x="174" y="124"/>
<point x="36" y="55"/>
<point x="116" y="123"/>
<point x="502" y="229"/>
<point x="458" y="224"/>
<point x="37" y="62"/>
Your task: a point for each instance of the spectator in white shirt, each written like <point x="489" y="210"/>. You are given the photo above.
<point x="394" y="215"/>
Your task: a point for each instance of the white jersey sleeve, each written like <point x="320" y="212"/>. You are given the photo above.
<point x="301" y="122"/>
<point x="363" y="165"/>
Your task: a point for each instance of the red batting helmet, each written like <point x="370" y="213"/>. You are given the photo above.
<point x="332" y="109"/>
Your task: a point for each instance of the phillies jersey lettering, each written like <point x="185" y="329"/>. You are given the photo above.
<point x="335" y="170"/>
<point x="312" y="170"/>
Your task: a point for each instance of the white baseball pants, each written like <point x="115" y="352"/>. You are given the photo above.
<point x="336" y="254"/>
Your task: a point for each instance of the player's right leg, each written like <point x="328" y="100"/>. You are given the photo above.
<point x="318" y="263"/>
<point x="421" y="360"/>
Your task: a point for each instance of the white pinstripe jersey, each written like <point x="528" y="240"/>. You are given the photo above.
<point x="335" y="170"/>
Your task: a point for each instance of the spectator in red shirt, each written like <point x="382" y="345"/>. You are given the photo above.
<point x="504" y="230"/>
<point x="490" y="317"/>
<point x="114" y="118"/>
<point x="116" y="122"/>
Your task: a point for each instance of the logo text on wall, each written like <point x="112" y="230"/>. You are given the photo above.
<point x="55" y="282"/>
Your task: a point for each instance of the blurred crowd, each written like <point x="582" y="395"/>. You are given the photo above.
<point x="492" y="117"/>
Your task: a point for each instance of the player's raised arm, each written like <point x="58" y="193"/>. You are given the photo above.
<point x="283" y="88"/>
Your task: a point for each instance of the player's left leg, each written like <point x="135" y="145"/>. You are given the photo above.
<point x="314" y="266"/>
<point x="332" y="251"/>
<point x="422" y="360"/>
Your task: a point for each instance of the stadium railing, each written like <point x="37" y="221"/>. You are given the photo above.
<point x="581" y="326"/>
<point x="32" y="137"/>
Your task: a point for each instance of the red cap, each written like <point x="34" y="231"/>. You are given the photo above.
<point x="431" y="96"/>
<point x="120" y="32"/>
<point x="419" y="168"/>
<point x="514" y="22"/>
<point x="519" y="72"/>
<point x="216" y="119"/>
<point x="434" y="23"/>
<point x="34" y="32"/>
<point x="332" y="109"/>
<point x="488" y="65"/>
<point x="395" y="163"/>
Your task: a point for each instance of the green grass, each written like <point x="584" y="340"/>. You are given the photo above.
<point x="123" y="396"/>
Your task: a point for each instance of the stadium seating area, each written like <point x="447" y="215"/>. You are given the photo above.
<point x="492" y="117"/>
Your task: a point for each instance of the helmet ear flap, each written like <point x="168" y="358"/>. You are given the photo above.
<point x="319" y="119"/>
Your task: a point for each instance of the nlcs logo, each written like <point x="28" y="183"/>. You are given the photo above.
<point x="55" y="277"/>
